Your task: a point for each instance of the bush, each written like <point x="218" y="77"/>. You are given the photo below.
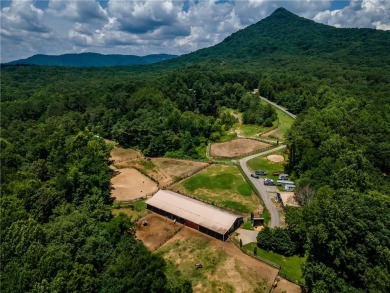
<point x="277" y="240"/>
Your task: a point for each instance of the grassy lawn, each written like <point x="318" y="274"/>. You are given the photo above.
<point x="134" y="210"/>
<point x="285" y="123"/>
<point x="262" y="163"/>
<point x="290" y="266"/>
<point x="228" y="136"/>
<point x="222" y="185"/>
<point x="251" y="129"/>
<point x="247" y="225"/>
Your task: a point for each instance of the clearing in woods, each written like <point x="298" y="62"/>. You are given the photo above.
<point x="222" y="185"/>
<point x="158" y="230"/>
<point x="224" y="267"/>
<point x="284" y="125"/>
<point x="271" y="163"/>
<point x="162" y="170"/>
<point x="129" y="184"/>
<point x="236" y="148"/>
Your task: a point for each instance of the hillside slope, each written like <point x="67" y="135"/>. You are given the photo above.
<point x="285" y="35"/>
<point x="92" y="59"/>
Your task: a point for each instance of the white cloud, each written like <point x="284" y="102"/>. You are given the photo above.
<point x="80" y="11"/>
<point x="366" y="13"/>
<point x="144" y="16"/>
<point x="22" y="16"/>
<point x="155" y="26"/>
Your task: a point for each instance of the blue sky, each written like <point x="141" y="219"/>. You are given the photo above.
<point x="142" y="27"/>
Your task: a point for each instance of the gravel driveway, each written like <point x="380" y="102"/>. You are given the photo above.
<point x="246" y="236"/>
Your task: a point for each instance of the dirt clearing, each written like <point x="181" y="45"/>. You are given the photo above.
<point x="162" y="170"/>
<point x="286" y="286"/>
<point x="174" y="168"/>
<point x="119" y="154"/>
<point x="158" y="231"/>
<point x="275" y="158"/>
<point x="225" y="267"/>
<point x="274" y="133"/>
<point x="129" y="184"/>
<point x="236" y="148"/>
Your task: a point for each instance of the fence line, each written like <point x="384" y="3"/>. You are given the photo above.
<point x="185" y="176"/>
<point x="246" y="154"/>
<point x="291" y="280"/>
<point x="276" y="266"/>
<point x="143" y="172"/>
<point x="206" y="201"/>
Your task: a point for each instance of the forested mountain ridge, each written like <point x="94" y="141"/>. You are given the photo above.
<point x="58" y="234"/>
<point x="284" y="34"/>
<point x="91" y="59"/>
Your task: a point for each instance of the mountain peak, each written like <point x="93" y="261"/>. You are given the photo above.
<point x="282" y="12"/>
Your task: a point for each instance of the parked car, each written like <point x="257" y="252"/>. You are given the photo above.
<point x="289" y="187"/>
<point x="268" y="181"/>
<point x="261" y="173"/>
<point x="283" y="177"/>
<point x="255" y="176"/>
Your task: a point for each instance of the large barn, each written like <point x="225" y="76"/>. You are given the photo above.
<point x="195" y="214"/>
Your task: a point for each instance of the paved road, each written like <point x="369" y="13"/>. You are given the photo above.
<point x="259" y="184"/>
<point x="279" y="107"/>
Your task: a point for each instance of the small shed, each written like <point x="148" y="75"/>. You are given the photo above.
<point x="257" y="222"/>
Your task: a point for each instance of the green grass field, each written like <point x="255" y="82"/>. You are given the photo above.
<point x="134" y="210"/>
<point x="222" y="185"/>
<point x="251" y="129"/>
<point x="285" y="123"/>
<point x="290" y="266"/>
<point x="262" y="163"/>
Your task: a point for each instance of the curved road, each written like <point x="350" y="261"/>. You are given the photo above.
<point x="259" y="184"/>
<point x="279" y="107"/>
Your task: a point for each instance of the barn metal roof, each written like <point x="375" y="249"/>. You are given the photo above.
<point x="194" y="210"/>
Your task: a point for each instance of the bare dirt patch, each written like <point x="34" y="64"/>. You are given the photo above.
<point x="236" y="148"/>
<point x="119" y="154"/>
<point x="129" y="184"/>
<point x="158" y="231"/>
<point x="225" y="267"/>
<point x="274" y="133"/>
<point x="162" y="170"/>
<point x="174" y="168"/>
<point x="286" y="286"/>
<point x="275" y="158"/>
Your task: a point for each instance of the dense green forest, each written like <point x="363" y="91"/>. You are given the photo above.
<point x="57" y="231"/>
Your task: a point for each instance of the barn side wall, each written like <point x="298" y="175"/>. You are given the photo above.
<point x="192" y="225"/>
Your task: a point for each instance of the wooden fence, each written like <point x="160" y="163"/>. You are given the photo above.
<point x="185" y="176"/>
<point x="246" y="154"/>
<point x="276" y="266"/>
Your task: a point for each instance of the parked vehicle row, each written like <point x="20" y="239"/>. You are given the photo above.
<point x="282" y="180"/>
